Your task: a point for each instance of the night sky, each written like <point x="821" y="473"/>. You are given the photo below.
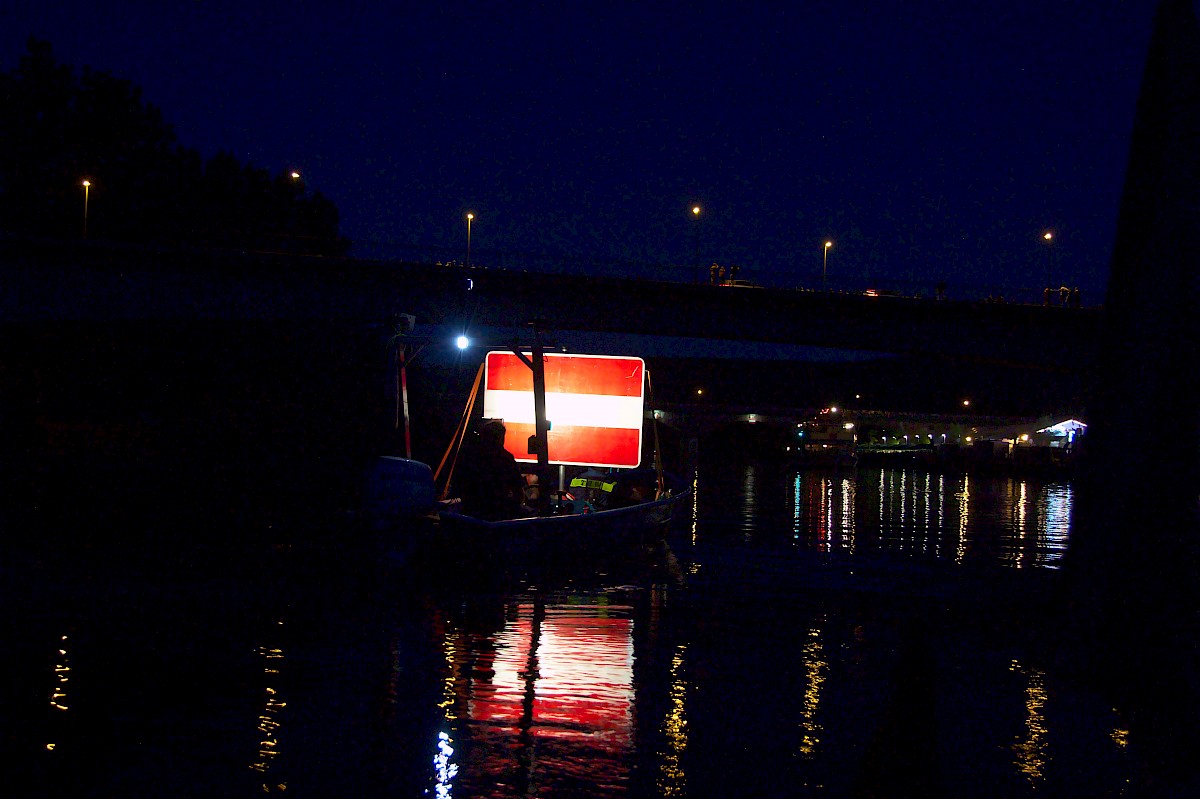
<point x="929" y="141"/>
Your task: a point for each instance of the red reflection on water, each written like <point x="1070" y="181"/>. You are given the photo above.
<point x="550" y="701"/>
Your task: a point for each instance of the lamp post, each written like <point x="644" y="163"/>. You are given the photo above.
<point x="696" y="245"/>
<point x="469" y="218"/>
<point x="87" y="185"/>
<point x="1048" y="237"/>
<point x="825" y="262"/>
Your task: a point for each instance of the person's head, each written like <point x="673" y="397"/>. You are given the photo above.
<point x="492" y="432"/>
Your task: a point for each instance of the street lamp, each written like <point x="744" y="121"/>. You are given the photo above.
<point x="87" y="185"/>
<point x="825" y="262"/>
<point x="1048" y="237"/>
<point x="696" y="240"/>
<point x="469" y="218"/>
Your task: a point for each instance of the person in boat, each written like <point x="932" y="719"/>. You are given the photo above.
<point x="487" y="479"/>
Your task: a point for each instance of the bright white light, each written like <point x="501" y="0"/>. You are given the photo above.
<point x="848" y="426"/>
<point x="462" y="342"/>
<point x="1064" y="428"/>
<point x="585" y="410"/>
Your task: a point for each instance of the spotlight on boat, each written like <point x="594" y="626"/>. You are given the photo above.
<point x="463" y="342"/>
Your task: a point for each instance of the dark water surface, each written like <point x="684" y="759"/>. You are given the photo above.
<point x="879" y="633"/>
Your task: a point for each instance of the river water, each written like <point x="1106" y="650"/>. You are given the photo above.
<point x="870" y="633"/>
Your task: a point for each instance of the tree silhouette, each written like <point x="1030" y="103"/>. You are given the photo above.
<point x="58" y="128"/>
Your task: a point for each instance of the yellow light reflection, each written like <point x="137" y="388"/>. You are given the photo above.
<point x="1120" y="734"/>
<point x="964" y="511"/>
<point x="454" y="690"/>
<point x="449" y="695"/>
<point x="62" y="670"/>
<point x="815" y="669"/>
<point x="58" y="694"/>
<point x="1031" y="749"/>
<point x="672" y="779"/>
<point x="1022" y="529"/>
<point x="269" y="718"/>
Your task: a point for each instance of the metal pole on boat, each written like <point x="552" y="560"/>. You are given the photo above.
<point x="540" y="444"/>
<point x="403" y="375"/>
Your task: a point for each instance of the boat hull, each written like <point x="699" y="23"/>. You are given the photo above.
<point x="567" y="541"/>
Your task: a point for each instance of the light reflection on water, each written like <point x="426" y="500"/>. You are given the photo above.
<point x="959" y="517"/>
<point x="546" y="701"/>
<point x="815" y="668"/>
<point x="672" y="779"/>
<point x="732" y="675"/>
<point x="270" y="717"/>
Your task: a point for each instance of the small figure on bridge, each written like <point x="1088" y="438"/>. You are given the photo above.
<point x="488" y="480"/>
<point x="1064" y="296"/>
<point x="733" y="270"/>
<point x="1076" y="298"/>
<point x="714" y="273"/>
<point x="1046" y="294"/>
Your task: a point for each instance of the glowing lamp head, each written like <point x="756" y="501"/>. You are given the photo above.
<point x="462" y="342"/>
<point x="1048" y="236"/>
<point x="695" y="210"/>
<point x="828" y="244"/>
<point x="295" y="176"/>
<point x="86" y="183"/>
<point x="470" y="217"/>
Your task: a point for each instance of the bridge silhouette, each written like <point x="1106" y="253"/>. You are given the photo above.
<point x="89" y="281"/>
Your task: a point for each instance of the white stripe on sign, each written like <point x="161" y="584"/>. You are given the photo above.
<point x="583" y="410"/>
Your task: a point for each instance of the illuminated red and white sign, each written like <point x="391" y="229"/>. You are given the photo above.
<point x="593" y="404"/>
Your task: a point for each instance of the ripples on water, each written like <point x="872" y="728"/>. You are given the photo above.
<point x="959" y="517"/>
<point x="757" y="660"/>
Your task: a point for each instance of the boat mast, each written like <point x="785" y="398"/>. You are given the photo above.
<point x="539" y="443"/>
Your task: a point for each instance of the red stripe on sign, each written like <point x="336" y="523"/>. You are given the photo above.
<point x="568" y="374"/>
<point x="606" y="446"/>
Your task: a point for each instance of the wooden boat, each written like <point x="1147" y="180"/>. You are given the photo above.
<point x="600" y="413"/>
<point x="402" y="507"/>
<point x="598" y="536"/>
